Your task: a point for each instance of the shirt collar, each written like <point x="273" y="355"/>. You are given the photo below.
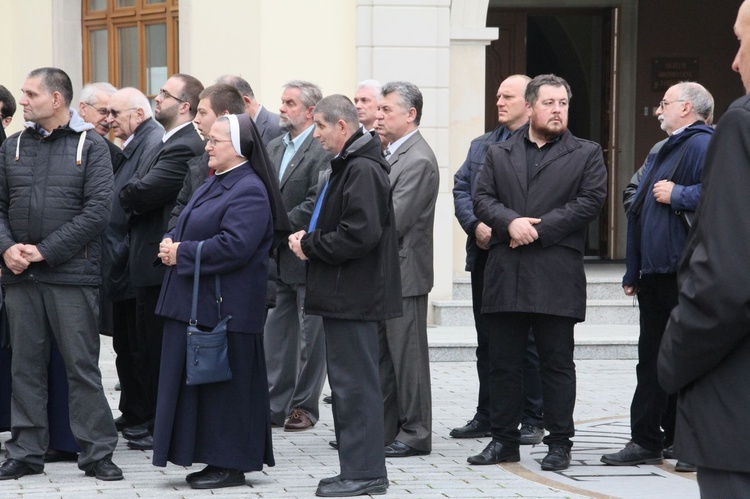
<point x="393" y="146"/>
<point x="299" y="139"/>
<point x="169" y="134"/>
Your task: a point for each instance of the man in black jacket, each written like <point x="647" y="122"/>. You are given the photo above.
<point x="148" y="200"/>
<point x="351" y="241"/>
<point x="56" y="178"/>
<point x="705" y="351"/>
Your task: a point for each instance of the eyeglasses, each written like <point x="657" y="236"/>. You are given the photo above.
<point x="166" y="95"/>
<point x="115" y="113"/>
<point x="664" y="103"/>
<point x="214" y="141"/>
<point x="101" y="110"/>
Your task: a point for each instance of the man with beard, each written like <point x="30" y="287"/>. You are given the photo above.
<point x="656" y="241"/>
<point x="148" y="200"/>
<point x="512" y="115"/>
<point x="538" y="192"/>
<point x="294" y="342"/>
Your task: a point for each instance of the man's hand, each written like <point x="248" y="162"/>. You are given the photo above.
<point x="295" y="244"/>
<point x="663" y="191"/>
<point x="482" y="234"/>
<point x="31" y="253"/>
<point x="168" y="251"/>
<point x="522" y="231"/>
<point x="15" y="260"/>
<point x="630" y="290"/>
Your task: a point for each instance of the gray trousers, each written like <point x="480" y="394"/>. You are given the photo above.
<point x="36" y="313"/>
<point x="715" y="484"/>
<point x="405" y="376"/>
<point x="295" y="355"/>
<point x="352" y="348"/>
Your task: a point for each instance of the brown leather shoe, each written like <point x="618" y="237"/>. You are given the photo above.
<point x="298" y="420"/>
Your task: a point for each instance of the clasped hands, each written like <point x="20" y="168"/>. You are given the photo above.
<point x="19" y="256"/>
<point x="295" y="244"/>
<point x="168" y="251"/>
<point x="522" y="231"/>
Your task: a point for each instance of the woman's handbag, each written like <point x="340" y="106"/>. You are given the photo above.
<point x="207" y="351"/>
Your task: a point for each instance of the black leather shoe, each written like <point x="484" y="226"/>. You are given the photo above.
<point x="496" y="452"/>
<point x="106" y="470"/>
<point x="531" y="435"/>
<point x="347" y="488"/>
<point x="145" y="443"/>
<point x="58" y="456"/>
<point x="197" y="474"/>
<point x="472" y="429"/>
<point x="557" y="459"/>
<point x="328" y="399"/>
<point x="668" y="452"/>
<point x="218" y="478"/>
<point x="330" y="479"/>
<point x="400" y="449"/>
<point x="136" y="432"/>
<point x="684" y="467"/>
<point x="121" y="423"/>
<point x="633" y="454"/>
<point x="334" y="444"/>
<point x="13" y="468"/>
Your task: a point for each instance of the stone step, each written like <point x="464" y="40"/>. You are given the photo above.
<point x="599" y="342"/>
<point x="597" y="288"/>
<point x="613" y="311"/>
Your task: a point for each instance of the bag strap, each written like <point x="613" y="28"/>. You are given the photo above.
<point x="196" y="281"/>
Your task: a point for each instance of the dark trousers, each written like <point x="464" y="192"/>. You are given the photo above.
<point x="533" y="407"/>
<point x="508" y="344"/>
<point x="652" y="409"/>
<point x="149" y="334"/>
<point x="130" y="356"/>
<point x="38" y="312"/>
<point x="352" y="358"/>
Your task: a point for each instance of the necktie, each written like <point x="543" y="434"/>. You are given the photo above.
<point x="387" y="153"/>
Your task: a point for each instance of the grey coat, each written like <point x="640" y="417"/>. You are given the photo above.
<point x="415" y="179"/>
<point x="268" y="126"/>
<point x="298" y="191"/>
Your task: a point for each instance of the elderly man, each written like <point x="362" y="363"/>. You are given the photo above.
<point x="512" y="115"/>
<point x="656" y="240"/>
<point x="148" y="200"/>
<point x="130" y="119"/>
<point x="366" y="101"/>
<point x="538" y="193"/>
<point x="404" y="354"/>
<point x="56" y="178"/>
<point x="93" y="108"/>
<point x="293" y="340"/>
<point x="705" y="350"/>
<point x="351" y="240"/>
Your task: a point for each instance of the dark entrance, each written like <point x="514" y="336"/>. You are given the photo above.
<point x="576" y="44"/>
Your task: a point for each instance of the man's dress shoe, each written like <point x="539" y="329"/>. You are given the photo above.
<point x="557" y="459"/>
<point x="633" y="454"/>
<point x="496" y="452"/>
<point x="472" y="429"/>
<point x="348" y="488"/>
<point x="58" y="456"/>
<point x="298" y="420"/>
<point x="145" y="443"/>
<point x="13" y="468"/>
<point x="531" y="435"/>
<point x="136" y="432"/>
<point x="400" y="449"/>
<point x="105" y="470"/>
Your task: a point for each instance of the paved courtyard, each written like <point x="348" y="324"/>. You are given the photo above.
<point x="604" y="391"/>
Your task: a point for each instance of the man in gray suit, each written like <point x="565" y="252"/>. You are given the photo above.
<point x="404" y="356"/>
<point x="267" y="123"/>
<point x="294" y="342"/>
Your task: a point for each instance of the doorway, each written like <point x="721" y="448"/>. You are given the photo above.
<point x="578" y="45"/>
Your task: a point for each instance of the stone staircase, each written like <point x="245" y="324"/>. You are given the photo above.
<point x="609" y="332"/>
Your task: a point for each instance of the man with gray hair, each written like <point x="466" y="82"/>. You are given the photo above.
<point x="293" y="340"/>
<point x="93" y="108"/>
<point x="266" y="122"/>
<point x="353" y="283"/>
<point x="131" y="120"/>
<point x="404" y="354"/>
<point x="366" y="101"/>
<point x="657" y="234"/>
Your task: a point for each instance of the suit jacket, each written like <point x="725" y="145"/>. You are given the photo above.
<point x="197" y="174"/>
<point x="149" y="198"/>
<point x="567" y="192"/>
<point x="415" y="179"/>
<point x="234" y="249"/>
<point x="298" y="191"/>
<point x="268" y="126"/>
<point x="116" y="246"/>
